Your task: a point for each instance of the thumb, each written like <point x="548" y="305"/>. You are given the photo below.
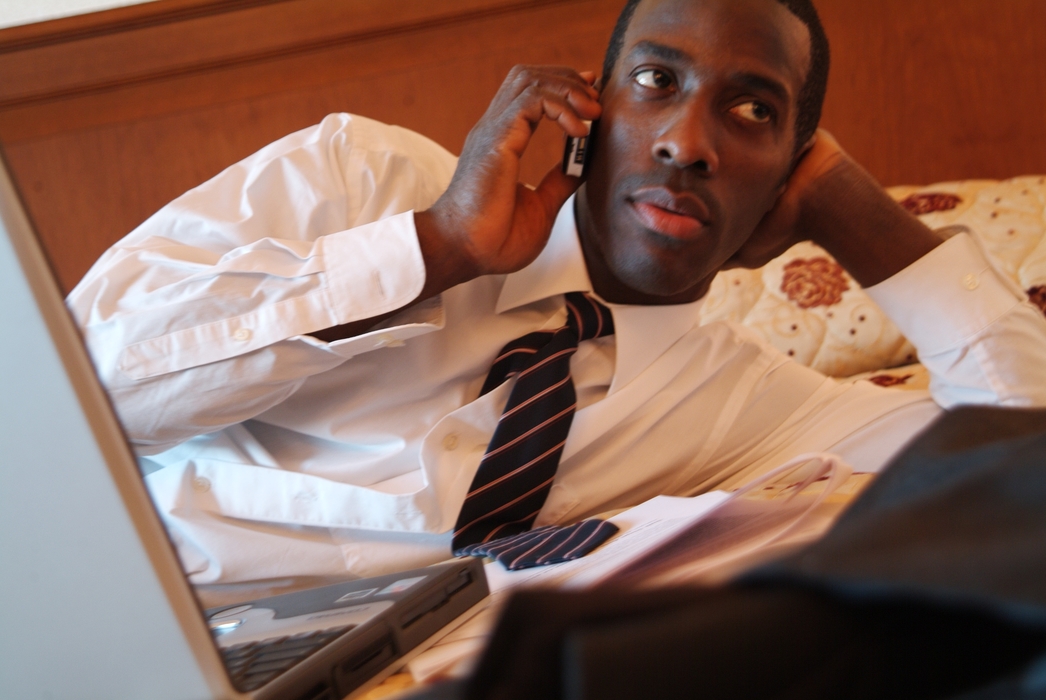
<point x="555" y="189"/>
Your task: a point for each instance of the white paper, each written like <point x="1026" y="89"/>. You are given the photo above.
<point x="670" y="540"/>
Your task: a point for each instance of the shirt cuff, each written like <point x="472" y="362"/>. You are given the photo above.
<point x="419" y="319"/>
<point x="946" y="297"/>
<point x="373" y="269"/>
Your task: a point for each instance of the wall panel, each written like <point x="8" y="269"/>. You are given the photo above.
<point x="928" y="90"/>
<point x="105" y="117"/>
<point x="148" y="108"/>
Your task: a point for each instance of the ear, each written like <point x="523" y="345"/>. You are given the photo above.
<point x="806" y="146"/>
<point x="795" y="163"/>
<point x="803" y="150"/>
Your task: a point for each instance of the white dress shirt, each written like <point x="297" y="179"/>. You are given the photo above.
<point x="272" y="453"/>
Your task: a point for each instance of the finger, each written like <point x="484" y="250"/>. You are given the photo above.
<point x="523" y="77"/>
<point x="584" y="105"/>
<point x="580" y="80"/>
<point x="568" y="117"/>
<point x="565" y="82"/>
<point x="557" y="93"/>
<point x="554" y="190"/>
<point x="532" y="106"/>
<point x="582" y="102"/>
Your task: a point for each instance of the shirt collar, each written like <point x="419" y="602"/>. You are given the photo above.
<point x="643" y="333"/>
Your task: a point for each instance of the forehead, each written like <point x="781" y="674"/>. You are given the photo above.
<point x="752" y="36"/>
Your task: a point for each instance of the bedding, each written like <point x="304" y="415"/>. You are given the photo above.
<point x="809" y="308"/>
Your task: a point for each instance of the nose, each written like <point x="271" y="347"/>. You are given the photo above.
<point x="686" y="141"/>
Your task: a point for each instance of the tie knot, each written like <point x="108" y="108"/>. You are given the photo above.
<point x="588" y="317"/>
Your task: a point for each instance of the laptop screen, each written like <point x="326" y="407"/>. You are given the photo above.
<point x="89" y="584"/>
<point x="103" y="606"/>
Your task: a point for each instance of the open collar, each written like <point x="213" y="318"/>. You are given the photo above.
<point x="643" y="333"/>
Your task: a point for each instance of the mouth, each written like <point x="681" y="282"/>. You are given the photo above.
<point x="681" y="216"/>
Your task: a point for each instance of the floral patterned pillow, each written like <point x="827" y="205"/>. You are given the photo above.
<point x="808" y="307"/>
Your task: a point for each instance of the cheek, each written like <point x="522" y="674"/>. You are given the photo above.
<point x="754" y="186"/>
<point x="617" y="156"/>
<point x="617" y="152"/>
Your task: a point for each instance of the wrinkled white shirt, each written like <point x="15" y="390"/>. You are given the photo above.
<point x="278" y="454"/>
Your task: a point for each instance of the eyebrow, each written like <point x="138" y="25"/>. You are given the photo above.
<point x="665" y="53"/>
<point x="760" y="83"/>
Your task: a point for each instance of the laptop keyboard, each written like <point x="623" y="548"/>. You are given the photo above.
<point x="254" y="664"/>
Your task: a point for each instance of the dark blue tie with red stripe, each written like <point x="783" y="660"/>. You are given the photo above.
<point x="516" y="473"/>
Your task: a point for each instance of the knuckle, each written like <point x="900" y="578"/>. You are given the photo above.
<point x="523" y="73"/>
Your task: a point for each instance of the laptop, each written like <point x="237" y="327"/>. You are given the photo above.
<point x="94" y="602"/>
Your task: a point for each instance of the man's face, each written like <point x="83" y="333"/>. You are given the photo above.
<point x="694" y="144"/>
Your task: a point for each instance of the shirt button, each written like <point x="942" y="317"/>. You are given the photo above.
<point x="450" y="442"/>
<point x="201" y="484"/>
<point x="242" y="334"/>
<point x="971" y="282"/>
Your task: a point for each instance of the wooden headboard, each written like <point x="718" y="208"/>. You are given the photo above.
<point x="105" y="117"/>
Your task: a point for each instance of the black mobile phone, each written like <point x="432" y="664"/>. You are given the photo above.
<point x="575" y="153"/>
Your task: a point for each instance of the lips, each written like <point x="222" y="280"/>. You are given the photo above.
<point x="680" y="216"/>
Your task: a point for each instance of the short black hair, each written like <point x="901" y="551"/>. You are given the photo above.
<point x="811" y="94"/>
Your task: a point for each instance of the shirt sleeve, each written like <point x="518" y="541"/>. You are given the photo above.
<point x="198" y="319"/>
<point x="975" y="332"/>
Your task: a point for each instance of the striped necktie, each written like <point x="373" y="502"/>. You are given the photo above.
<point x="517" y="471"/>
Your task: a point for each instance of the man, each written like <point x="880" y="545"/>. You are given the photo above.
<point x="299" y="345"/>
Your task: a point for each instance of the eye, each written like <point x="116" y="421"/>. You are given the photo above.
<point x="653" y="78"/>
<point x="756" y="112"/>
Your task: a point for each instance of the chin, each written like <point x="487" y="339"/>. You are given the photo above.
<point x="643" y="274"/>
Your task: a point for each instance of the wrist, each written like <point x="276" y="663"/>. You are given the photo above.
<point x="447" y="262"/>
<point x="862" y="227"/>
